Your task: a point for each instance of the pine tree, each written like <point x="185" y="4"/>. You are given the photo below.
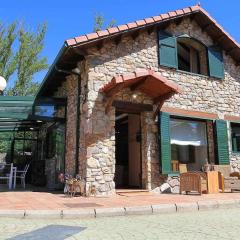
<point x="99" y="22"/>
<point x="28" y="61"/>
<point x="7" y="58"/>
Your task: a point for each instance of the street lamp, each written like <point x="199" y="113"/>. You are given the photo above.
<point x="3" y="84"/>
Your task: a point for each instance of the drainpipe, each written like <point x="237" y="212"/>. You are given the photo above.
<point x="78" y="74"/>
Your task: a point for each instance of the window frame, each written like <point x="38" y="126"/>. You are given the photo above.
<point x="192" y="119"/>
<point x="199" y="63"/>
<point x="176" y="68"/>
<point x="231" y="136"/>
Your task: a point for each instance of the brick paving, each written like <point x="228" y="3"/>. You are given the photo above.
<point x="217" y="224"/>
<point x="47" y="201"/>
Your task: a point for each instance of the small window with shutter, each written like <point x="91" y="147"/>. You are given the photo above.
<point x="188" y="54"/>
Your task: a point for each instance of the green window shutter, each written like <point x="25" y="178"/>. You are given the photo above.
<point x="164" y="142"/>
<point x="222" y="142"/>
<point x="215" y="60"/>
<point x="167" y="50"/>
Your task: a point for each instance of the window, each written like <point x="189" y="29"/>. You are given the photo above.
<point x="188" y="140"/>
<point x="192" y="56"/>
<point x="235" y="130"/>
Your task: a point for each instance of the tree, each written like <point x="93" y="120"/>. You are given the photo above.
<point x="28" y="61"/>
<point x="99" y="22"/>
<point x="20" y="58"/>
<point x="7" y="59"/>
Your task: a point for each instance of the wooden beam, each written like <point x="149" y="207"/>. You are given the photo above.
<point x="115" y="90"/>
<point x="160" y="101"/>
<point x="159" y="106"/>
<point x="138" y="84"/>
<point x="205" y="27"/>
<point x="151" y="30"/>
<point x="163" y="97"/>
<point x="111" y="95"/>
<point x="135" y="34"/>
<point x="219" y="39"/>
<point x="118" y="39"/>
<point x="230" y="50"/>
<point x="132" y="107"/>
<point x="80" y="51"/>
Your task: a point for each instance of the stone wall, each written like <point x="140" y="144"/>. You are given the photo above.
<point x="97" y="140"/>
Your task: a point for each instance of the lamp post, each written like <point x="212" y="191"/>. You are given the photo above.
<point x="3" y="84"/>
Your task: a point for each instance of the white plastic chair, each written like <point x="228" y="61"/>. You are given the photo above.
<point x="22" y="174"/>
<point x="7" y="174"/>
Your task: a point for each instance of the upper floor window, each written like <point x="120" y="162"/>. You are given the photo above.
<point x="190" y="55"/>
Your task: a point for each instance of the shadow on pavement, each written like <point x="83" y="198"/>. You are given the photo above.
<point x="51" y="232"/>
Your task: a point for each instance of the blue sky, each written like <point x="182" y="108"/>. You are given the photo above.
<point x="67" y="19"/>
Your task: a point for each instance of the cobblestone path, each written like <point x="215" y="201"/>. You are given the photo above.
<point x="218" y="224"/>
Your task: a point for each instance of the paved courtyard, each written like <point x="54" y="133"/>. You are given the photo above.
<point x="47" y="201"/>
<point x="217" y="224"/>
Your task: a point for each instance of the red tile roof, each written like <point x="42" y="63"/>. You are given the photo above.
<point x="154" y="84"/>
<point x="145" y="22"/>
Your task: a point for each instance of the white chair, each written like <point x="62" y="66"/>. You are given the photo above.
<point x="7" y="173"/>
<point x="22" y="174"/>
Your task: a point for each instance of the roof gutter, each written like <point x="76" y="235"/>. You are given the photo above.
<point x="62" y="51"/>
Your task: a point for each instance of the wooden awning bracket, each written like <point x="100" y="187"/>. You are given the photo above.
<point x="160" y="101"/>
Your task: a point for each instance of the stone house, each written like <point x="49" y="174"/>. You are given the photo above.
<point x="145" y="95"/>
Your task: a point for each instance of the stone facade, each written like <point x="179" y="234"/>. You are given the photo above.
<point x="97" y="134"/>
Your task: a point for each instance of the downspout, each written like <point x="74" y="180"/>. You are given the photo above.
<point x="77" y="116"/>
<point x="79" y="90"/>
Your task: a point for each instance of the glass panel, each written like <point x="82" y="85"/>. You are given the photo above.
<point x="189" y="143"/>
<point x="235" y="127"/>
<point x="60" y="150"/>
<point x="50" y="111"/>
<point x="45" y="111"/>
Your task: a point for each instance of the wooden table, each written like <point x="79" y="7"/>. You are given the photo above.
<point x="212" y="181"/>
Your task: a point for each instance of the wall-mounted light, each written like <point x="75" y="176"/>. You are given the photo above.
<point x="134" y="96"/>
<point x="31" y="128"/>
<point x="3" y="84"/>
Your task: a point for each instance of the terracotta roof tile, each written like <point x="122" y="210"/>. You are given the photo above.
<point x="113" y="30"/>
<point x="195" y="8"/>
<point x="132" y="25"/>
<point x="138" y="74"/>
<point x="91" y="36"/>
<point x="81" y="39"/>
<point x="140" y="22"/>
<point x="129" y="26"/>
<point x="164" y="16"/>
<point x="179" y="12"/>
<point x="187" y="10"/>
<point x="128" y="76"/>
<point x="71" y="42"/>
<point x="149" y="20"/>
<point x="157" y="18"/>
<point x="141" y="73"/>
<point x="172" y="14"/>
<point x="102" y="33"/>
<point x="123" y="27"/>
